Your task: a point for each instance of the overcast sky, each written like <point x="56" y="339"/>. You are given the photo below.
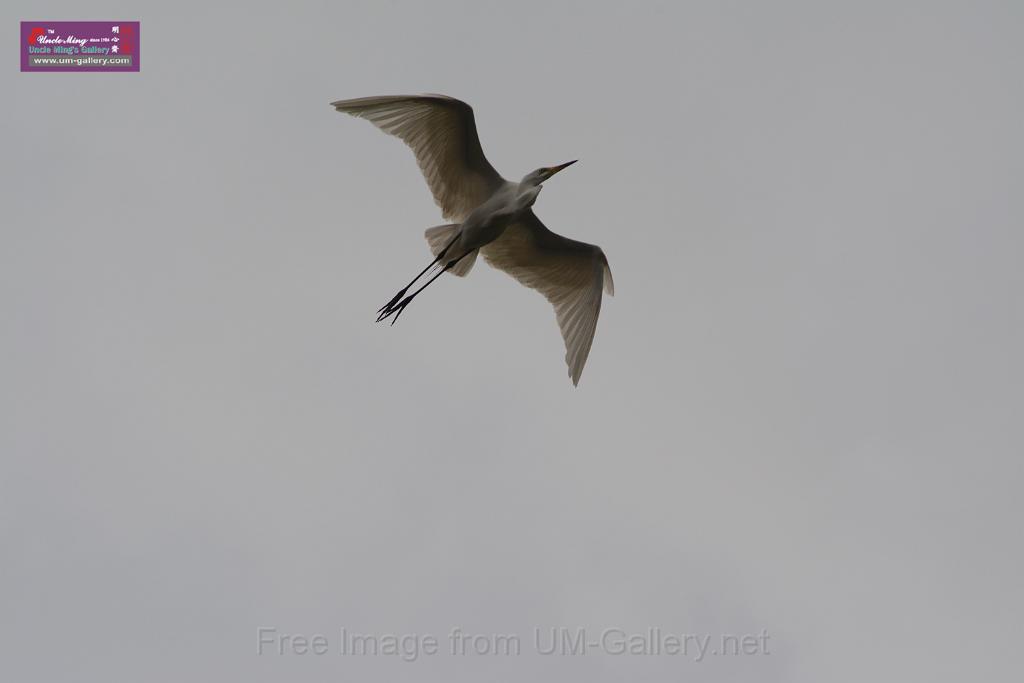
<point x="801" y="415"/>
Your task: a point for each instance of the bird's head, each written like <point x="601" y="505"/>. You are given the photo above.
<point x="541" y="174"/>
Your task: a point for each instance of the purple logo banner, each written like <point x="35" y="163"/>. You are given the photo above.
<point x="80" y="46"/>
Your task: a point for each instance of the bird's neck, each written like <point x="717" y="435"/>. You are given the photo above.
<point x="527" y="194"/>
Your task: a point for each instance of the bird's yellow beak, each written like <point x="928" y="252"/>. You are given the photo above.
<point x="555" y="169"/>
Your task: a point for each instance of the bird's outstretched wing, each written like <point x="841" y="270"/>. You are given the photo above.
<point x="442" y="134"/>
<point x="568" y="273"/>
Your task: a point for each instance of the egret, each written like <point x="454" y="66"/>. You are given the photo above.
<point x="491" y="216"/>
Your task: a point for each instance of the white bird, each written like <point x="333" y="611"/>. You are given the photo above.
<point x="490" y="215"/>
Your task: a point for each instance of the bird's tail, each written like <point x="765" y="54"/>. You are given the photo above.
<point x="440" y="237"/>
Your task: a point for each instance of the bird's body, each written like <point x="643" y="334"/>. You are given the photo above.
<point x="488" y="221"/>
<point x="491" y="215"/>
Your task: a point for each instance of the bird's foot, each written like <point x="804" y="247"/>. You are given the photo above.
<point x="391" y="304"/>
<point x="394" y="310"/>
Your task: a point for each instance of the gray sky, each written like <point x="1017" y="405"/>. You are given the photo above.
<point x="801" y="413"/>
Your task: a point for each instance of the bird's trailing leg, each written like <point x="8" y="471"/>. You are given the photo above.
<point x="394" y="309"/>
<point x="389" y="305"/>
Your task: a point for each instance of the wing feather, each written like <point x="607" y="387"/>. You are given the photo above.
<point x="570" y="275"/>
<point x="442" y="134"/>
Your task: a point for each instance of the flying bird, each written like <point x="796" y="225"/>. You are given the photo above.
<point x="491" y="216"/>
